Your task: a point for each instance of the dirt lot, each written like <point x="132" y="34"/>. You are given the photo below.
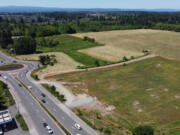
<point x="64" y="63"/>
<point x="132" y="42"/>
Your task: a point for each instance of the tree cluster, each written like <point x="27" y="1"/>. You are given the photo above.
<point x="143" y="130"/>
<point x="5" y="38"/>
<point x="89" y="39"/>
<point x="47" y="60"/>
<point x="25" y="45"/>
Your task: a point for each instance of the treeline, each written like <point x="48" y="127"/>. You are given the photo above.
<point x="10" y="28"/>
<point x="90" y="22"/>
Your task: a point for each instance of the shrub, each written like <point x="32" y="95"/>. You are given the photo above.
<point x="35" y="77"/>
<point x="21" y="121"/>
<point x="125" y="59"/>
<point x="107" y="131"/>
<point x="143" y="130"/>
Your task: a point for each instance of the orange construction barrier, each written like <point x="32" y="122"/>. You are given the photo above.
<point x="108" y="121"/>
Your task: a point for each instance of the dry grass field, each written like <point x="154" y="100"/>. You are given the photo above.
<point x="145" y="92"/>
<point x="64" y="63"/>
<point x="132" y="42"/>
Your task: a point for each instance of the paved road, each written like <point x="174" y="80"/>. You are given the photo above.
<point x="34" y="114"/>
<point x="33" y="109"/>
<point x="62" y="113"/>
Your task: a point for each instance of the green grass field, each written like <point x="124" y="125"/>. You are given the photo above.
<point x="146" y="92"/>
<point x="70" y="46"/>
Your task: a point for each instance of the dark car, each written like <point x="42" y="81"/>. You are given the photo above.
<point x="20" y="85"/>
<point x="43" y="95"/>
<point x="45" y="124"/>
<point x="43" y="100"/>
<point x="48" y="128"/>
<point x="14" y="61"/>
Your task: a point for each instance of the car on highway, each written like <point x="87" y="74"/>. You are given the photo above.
<point x="48" y="128"/>
<point x="14" y="61"/>
<point x="30" y="87"/>
<point x="43" y="95"/>
<point x="20" y="85"/>
<point x="1" y="131"/>
<point x="5" y="77"/>
<point x="77" y="126"/>
<point x="43" y="100"/>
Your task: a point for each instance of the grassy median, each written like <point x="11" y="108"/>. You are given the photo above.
<point x="10" y="67"/>
<point x="50" y="114"/>
<point x="22" y="122"/>
<point x="54" y="92"/>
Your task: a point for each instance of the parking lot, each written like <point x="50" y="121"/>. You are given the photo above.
<point x="13" y="128"/>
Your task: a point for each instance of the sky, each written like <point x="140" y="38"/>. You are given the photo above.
<point x="131" y="4"/>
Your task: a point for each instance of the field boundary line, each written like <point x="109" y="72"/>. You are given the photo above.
<point x="104" y="67"/>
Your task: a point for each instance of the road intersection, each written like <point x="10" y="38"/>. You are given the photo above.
<point x="35" y="112"/>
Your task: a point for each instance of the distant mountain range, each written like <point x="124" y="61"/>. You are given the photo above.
<point x="20" y="9"/>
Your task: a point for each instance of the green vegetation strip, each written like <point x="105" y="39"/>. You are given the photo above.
<point x="52" y="90"/>
<point x="70" y="46"/>
<point x="50" y="114"/>
<point x="22" y="122"/>
<point x="11" y="67"/>
<point x="5" y="96"/>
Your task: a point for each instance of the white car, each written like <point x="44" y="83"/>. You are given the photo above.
<point x="48" y="128"/>
<point x="29" y="87"/>
<point x="5" y="77"/>
<point x="1" y="131"/>
<point x="77" y="126"/>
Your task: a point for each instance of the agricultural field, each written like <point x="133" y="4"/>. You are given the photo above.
<point x="70" y="45"/>
<point x="64" y="63"/>
<point x="129" y="43"/>
<point x="146" y="92"/>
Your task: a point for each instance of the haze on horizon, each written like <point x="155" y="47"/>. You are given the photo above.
<point x="129" y="4"/>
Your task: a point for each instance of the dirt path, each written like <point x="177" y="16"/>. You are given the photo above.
<point x="104" y="67"/>
<point x="71" y="99"/>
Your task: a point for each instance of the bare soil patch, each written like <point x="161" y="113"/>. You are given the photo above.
<point x="64" y="63"/>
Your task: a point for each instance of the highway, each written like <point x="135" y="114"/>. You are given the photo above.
<point x="34" y="110"/>
<point x="61" y="112"/>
